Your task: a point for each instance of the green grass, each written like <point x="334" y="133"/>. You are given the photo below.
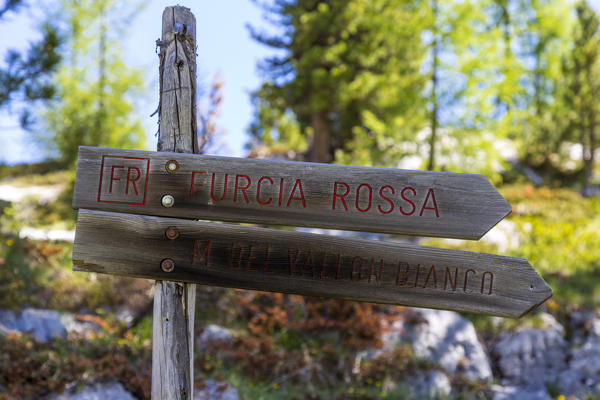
<point x="34" y="172"/>
<point x="47" y="178"/>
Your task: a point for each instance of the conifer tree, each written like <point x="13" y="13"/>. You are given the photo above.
<point x="582" y="87"/>
<point x="26" y="76"/>
<point x="346" y="84"/>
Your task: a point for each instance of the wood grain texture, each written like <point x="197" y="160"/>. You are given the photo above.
<point x="171" y="343"/>
<point x="307" y="264"/>
<point x="289" y="193"/>
<point x="177" y="125"/>
<point x="174" y="303"/>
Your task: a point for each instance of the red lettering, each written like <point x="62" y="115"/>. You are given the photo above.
<point x="193" y="185"/>
<point x="358" y="195"/>
<point x="405" y="280"/>
<point x="212" y="188"/>
<point x="414" y="193"/>
<point x="378" y="274"/>
<point x="337" y="266"/>
<point x="250" y="258"/>
<point x="434" y="208"/>
<point x="292" y="264"/>
<point x="322" y="269"/>
<point x="341" y="196"/>
<point x="417" y="276"/>
<point x="491" y="274"/>
<point x="139" y="174"/>
<point x="467" y="278"/>
<point x="239" y="261"/>
<point x="280" y="190"/>
<point x="204" y="253"/>
<point x="298" y="184"/>
<point x="386" y="199"/>
<point x="258" y="191"/>
<point x="242" y="188"/>
<point x="266" y="265"/>
<point x="112" y="176"/>
<point x="430" y="274"/>
<point x="308" y="261"/>
<point x="352" y="273"/>
<point x="448" y="278"/>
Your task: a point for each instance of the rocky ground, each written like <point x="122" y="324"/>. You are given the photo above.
<point x="521" y="364"/>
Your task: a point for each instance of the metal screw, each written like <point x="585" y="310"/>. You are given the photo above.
<point x="168" y="200"/>
<point x="172" y="233"/>
<point x="172" y="166"/>
<point x="167" y="265"/>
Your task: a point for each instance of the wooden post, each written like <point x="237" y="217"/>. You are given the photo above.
<point x="174" y="303"/>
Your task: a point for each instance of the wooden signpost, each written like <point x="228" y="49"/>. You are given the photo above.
<point x="174" y="302"/>
<point x="421" y="203"/>
<point x="138" y="212"/>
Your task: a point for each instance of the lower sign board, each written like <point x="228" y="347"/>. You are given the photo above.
<point x="303" y="263"/>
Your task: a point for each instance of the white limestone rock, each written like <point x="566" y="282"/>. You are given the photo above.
<point x="213" y="390"/>
<point x="96" y="391"/>
<point x="531" y="357"/>
<point x="44" y="325"/>
<point x="213" y="334"/>
<point x="445" y="338"/>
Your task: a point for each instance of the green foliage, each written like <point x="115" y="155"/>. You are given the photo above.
<point x="26" y="77"/>
<point x="16" y="274"/>
<point x="581" y="87"/>
<point x="512" y="61"/>
<point x="30" y="173"/>
<point x="349" y="84"/>
<point x="346" y="79"/>
<point x="96" y="89"/>
<point x="558" y="230"/>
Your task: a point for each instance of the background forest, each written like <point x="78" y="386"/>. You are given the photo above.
<point x="506" y="88"/>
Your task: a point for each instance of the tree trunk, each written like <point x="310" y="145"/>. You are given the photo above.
<point x="434" y="89"/>
<point x="319" y="148"/>
<point x="589" y="146"/>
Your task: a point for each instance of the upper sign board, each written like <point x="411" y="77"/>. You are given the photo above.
<point x="191" y="186"/>
<point x="303" y="263"/>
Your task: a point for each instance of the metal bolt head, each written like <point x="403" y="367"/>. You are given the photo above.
<point x="168" y="200"/>
<point x="171" y="166"/>
<point x="172" y="233"/>
<point x="167" y="265"/>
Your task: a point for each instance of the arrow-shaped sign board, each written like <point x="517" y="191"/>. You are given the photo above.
<point x="287" y="193"/>
<point x="303" y="263"/>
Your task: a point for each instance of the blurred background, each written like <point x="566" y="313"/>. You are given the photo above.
<point x="506" y="88"/>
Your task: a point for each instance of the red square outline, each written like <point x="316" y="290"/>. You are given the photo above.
<point x="121" y="202"/>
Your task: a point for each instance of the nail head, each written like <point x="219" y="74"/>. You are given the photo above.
<point x="168" y="200"/>
<point x="171" y="166"/>
<point x="167" y="265"/>
<point x="172" y="233"/>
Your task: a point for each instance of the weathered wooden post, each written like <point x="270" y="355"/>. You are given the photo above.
<point x="173" y="320"/>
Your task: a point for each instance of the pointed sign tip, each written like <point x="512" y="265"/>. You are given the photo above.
<point x="541" y="292"/>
